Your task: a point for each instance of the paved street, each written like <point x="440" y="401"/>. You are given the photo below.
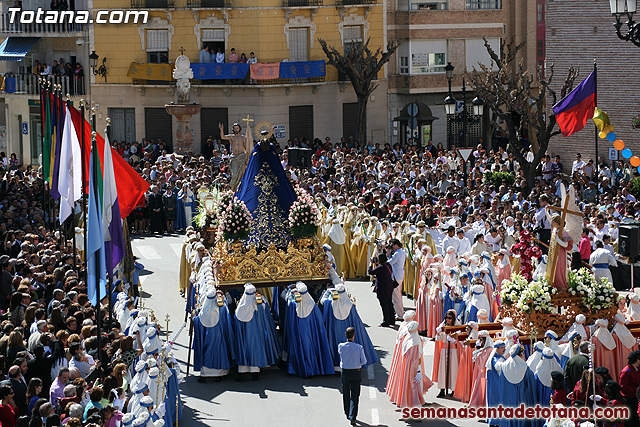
<point x="277" y="399"/>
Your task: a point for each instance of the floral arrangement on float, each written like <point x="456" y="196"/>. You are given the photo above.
<point x="304" y="218"/>
<point x="235" y="221"/>
<point x="595" y="294"/>
<point x="527" y="252"/>
<point x="528" y="296"/>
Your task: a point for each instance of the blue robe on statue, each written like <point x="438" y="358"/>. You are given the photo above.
<point x="213" y="347"/>
<point x="449" y="303"/>
<point x="256" y="341"/>
<point x="181" y="220"/>
<point x="336" y="331"/>
<point x="306" y="343"/>
<point x="268" y="195"/>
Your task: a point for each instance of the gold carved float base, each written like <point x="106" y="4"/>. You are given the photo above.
<point x="237" y="264"/>
<point x="567" y="307"/>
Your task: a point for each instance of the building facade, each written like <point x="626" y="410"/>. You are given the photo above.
<point x="587" y="36"/>
<point x="24" y="46"/>
<point x="433" y="33"/>
<point x="276" y="31"/>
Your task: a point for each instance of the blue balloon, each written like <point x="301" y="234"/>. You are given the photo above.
<point x="611" y="137"/>
<point x="626" y="153"/>
<point x="638" y="169"/>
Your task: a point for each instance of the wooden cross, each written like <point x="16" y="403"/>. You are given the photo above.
<point x="563" y="215"/>
<point x="248" y="119"/>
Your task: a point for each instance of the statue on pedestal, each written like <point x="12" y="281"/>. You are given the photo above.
<point x="182" y="73"/>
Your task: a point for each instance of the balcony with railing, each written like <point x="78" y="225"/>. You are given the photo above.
<point x="247" y="82"/>
<point x="58" y="29"/>
<point x="153" y="4"/>
<point x="209" y="4"/>
<point x="356" y="2"/>
<point x="301" y="3"/>
<point x="29" y="84"/>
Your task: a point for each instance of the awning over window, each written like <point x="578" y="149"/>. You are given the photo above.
<point x="15" y="48"/>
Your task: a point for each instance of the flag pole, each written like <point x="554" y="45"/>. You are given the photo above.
<point x="42" y="123"/>
<point x="595" y="99"/>
<point x="96" y="168"/>
<point x="84" y="192"/>
<point x="58" y="99"/>
<point x="109" y="270"/>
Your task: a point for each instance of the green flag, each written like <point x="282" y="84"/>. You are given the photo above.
<point x="46" y="148"/>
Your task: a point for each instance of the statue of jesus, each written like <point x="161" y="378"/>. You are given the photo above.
<point x="241" y="147"/>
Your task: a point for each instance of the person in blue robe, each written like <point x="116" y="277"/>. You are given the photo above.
<point x="449" y="297"/>
<point x="256" y="340"/>
<point x="306" y="345"/>
<point x="181" y="220"/>
<point x="339" y="314"/>
<point x="546" y="366"/>
<point x="494" y="364"/>
<point x="213" y="352"/>
<point x="172" y="400"/>
<point x="570" y="349"/>
<point x="461" y="301"/>
<point x="517" y="386"/>
<point x="478" y="301"/>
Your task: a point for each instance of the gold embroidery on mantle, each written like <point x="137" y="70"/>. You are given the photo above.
<point x="269" y="227"/>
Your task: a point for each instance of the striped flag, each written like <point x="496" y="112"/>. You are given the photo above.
<point x="96" y="266"/>
<point x="111" y="221"/>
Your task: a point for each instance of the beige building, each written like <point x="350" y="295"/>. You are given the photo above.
<point x="436" y="32"/>
<point x="277" y="31"/>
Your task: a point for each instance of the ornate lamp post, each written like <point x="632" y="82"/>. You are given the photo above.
<point x="627" y="8"/>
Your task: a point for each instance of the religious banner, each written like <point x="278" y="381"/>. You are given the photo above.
<point x="306" y="69"/>
<point x="219" y="71"/>
<point x="150" y="71"/>
<point x="269" y="71"/>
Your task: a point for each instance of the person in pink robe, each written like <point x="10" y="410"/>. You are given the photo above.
<point x="410" y="383"/>
<point x="435" y="302"/>
<point x="478" y="398"/>
<point x="446" y="356"/>
<point x="464" y="382"/>
<point x="422" y="302"/>
<point x="392" y="382"/>
<point x="625" y="342"/>
<point x="605" y="346"/>
<point x="504" y="268"/>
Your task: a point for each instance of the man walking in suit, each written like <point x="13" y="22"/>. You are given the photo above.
<point x="352" y="359"/>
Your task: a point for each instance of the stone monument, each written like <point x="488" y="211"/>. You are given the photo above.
<point x="183" y="111"/>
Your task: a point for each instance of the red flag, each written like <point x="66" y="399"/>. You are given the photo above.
<point x="131" y="186"/>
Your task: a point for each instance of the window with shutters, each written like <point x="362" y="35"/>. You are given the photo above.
<point x="299" y="44"/>
<point x="301" y="121"/>
<point x="214" y="39"/>
<point x="158" y="46"/>
<point x="428" y="56"/>
<point x="404" y="65"/>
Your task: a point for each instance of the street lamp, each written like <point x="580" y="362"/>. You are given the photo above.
<point x="478" y="106"/>
<point x="626" y="8"/>
<point x="102" y="69"/>
<point x="449" y="102"/>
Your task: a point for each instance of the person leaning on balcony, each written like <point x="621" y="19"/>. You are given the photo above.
<point x="46" y="69"/>
<point x="233" y="56"/>
<point x="205" y="55"/>
<point x="37" y="68"/>
<point x="220" y="56"/>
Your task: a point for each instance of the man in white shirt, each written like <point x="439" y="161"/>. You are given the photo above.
<point x="600" y="260"/>
<point x="577" y="164"/>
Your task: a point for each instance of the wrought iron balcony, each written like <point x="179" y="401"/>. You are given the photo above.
<point x="301" y="3"/>
<point x="213" y="4"/>
<point x="61" y="29"/>
<point x="153" y="4"/>
<point x="355" y="2"/>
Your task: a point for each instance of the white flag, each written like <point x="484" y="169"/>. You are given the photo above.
<point x="70" y="171"/>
